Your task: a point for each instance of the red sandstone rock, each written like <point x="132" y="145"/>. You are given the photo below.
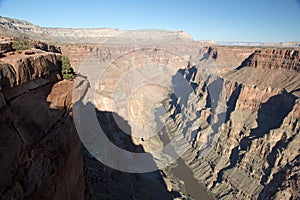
<point x="39" y="147"/>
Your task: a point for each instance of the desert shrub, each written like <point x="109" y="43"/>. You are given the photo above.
<point x="20" y="44"/>
<point x="67" y="71"/>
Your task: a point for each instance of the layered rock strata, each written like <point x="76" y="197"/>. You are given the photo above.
<point x="248" y="150"/>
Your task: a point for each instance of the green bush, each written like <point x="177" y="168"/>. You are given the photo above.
<point x="67" y="71"/>
<point x="20" y="44"/>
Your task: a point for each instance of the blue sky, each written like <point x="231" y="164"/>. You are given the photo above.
<point x="223" y="20"/>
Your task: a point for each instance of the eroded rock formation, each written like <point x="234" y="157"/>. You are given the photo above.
<point x="254" y="153"/>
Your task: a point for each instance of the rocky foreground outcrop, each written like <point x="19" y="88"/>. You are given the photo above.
<point x="40" y="150"/>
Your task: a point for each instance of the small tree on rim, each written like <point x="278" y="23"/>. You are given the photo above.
<point x="67" y="71"/>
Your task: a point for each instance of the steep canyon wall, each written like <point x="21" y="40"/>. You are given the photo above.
<point x="255" y="153"/>
<point x="40" y="149"/>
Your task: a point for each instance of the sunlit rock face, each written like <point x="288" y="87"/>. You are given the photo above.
<point x="229" y="58"/>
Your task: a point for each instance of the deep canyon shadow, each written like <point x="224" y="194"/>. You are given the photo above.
<point x="107" y="183"/>
<point x="272" y="113"/>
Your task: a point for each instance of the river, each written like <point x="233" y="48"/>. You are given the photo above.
<point x="192" y="187"/>
<point x="182" y="171"/>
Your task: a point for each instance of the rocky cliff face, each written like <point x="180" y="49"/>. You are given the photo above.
<point x="5" y="46"/>
<point x="274" y="59"/>
<point x="40" y="150"/>
<point x="251" y="151"/>
<point x="228" y="58"/>
<point x="106" y="53"/>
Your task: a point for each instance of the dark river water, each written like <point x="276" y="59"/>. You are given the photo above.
<point x="182" y="171"/>
<point x="192" y="186"/>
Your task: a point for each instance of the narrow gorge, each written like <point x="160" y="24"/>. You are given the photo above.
<point x="212" y="122"/>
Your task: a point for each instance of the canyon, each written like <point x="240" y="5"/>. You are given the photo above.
<point x="231" y="113"/>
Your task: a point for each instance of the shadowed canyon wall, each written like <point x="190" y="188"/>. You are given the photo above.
<point x="40" y="149"/>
